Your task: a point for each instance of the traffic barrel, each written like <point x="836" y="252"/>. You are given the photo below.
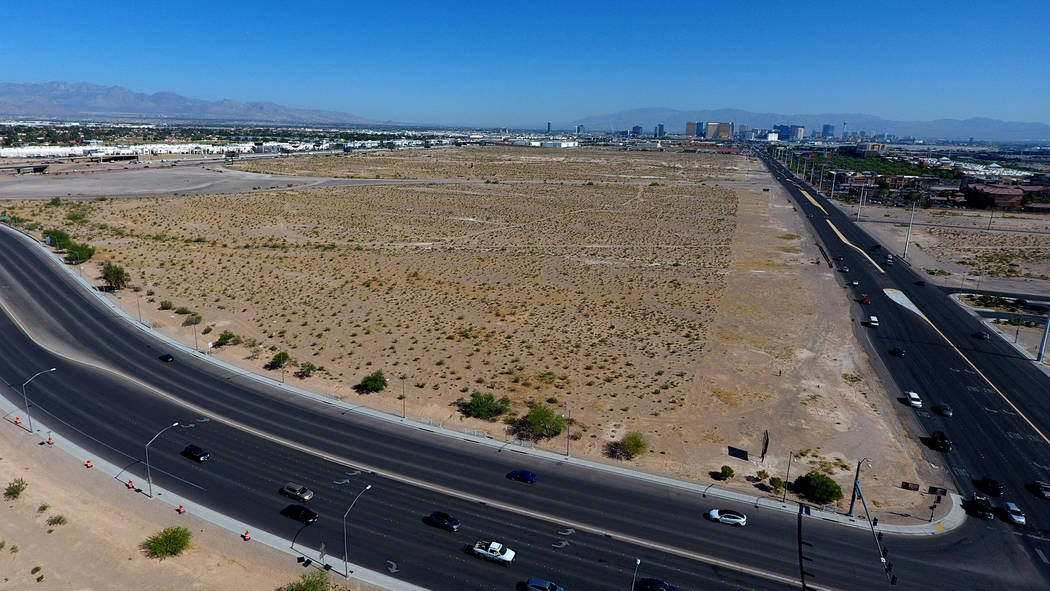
<point x="180" y="510"/>
<point x="87" y="464"/>
<point x="130" y="485"/>
<point x="247" y="536"/>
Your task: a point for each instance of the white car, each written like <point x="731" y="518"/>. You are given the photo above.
<point x="728" y="516"/>
<point x="1014" y="513"/>
<point x="913" y="399"/>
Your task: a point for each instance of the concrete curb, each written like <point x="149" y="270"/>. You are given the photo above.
<point x="758" y="501"/>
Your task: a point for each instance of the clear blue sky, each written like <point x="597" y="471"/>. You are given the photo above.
<point x="523" y="63"/>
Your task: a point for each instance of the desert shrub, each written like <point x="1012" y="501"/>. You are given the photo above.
<point x="373" y="382"/>
<point x="55" y="201"/>
<point x="183" y="310"/>
<point x="726" y="472"/>
<point x="777" y="483"/>
<point x="78" y="252"/>
<point x="115" y="275"/>
<point x="306" y="370"/>
<point x="166" y="305"/>
<point x="313" y="580"/>
<point x="280" y="360"/>
<point x="544" y="422"/>
<point x="15" y="488"/>
<point x="817" y="487"/>
<point x="59" y="239"/>
<point x="207" y="329"/>
<point x="227" y="337"/>
<point x="484" y="406"/>
<point x="170" y="541"/>
<point x="633" y="444"/>
<point x="192" y="320"/>
<point x="43" y="507"/>
<point x="57" y="520"/>
<point x="762" y="474"/>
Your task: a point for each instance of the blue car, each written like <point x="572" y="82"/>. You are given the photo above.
<point x="522" y="476"/>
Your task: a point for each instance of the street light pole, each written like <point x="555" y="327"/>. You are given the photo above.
<point x="787" y="479"/>
<point x="907" y="239"/>
<point x="856" y="483"/>
<point x="403" y="403"/>
<point x="346" y="548"/>
<point x="637" y="561"/>
<point x="149" y="475"/>
<point x="25" y="398"/>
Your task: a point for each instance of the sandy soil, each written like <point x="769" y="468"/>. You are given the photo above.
<point x="99" y="545"/>
<point x="672" y="296"/>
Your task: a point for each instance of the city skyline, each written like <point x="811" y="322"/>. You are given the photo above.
<point x="524" y="66"/>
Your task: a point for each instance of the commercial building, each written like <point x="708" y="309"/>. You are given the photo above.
<point x="636" y="131"/>
<point x="797" y="132"/>
<point x="718" y="131"/>
<point x="690" y="128"/>
<point x="828" y="130"/>
<point x="659" y="131"/>
<point x="579" y="129"/>
<point x="548" y="127"/>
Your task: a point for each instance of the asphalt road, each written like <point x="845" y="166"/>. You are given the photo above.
<point x="996" y="433"/>
<point x="115" y="418"/>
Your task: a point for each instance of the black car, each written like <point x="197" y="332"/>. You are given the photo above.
<point x="167" y="358"/>
<point x="981" y="507"/>
<point x="839" y="258"/>
<point x="196" y="454"/>
<point x="300" y="514"/>
<point x="897" y="352"/>
<point x="920" y="283"/>
<point x="943" y="409"/>
<point x="982" y="335"/>
<point x="991" y="486"/>
<point x="940" y="442"/>
<point x="654" y="585"/>
<point x="442" y="520"/>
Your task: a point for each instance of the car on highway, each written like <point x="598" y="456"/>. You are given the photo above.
<point x="920" y="283"/>
<point x="991" y="486"/>
<point x="727" y="516"/>
<point x="1014" y="514"/>
<point x="982" y="335"/>
<point x="838" y="258"/>
<point x="897" y="352"/>
<point x="300" y="514"/>
<point x="167" y="358"/>
<point x="195" y="453"/>
<point x="865" y="298"/>
<point x="297" y="491"/>
<point x="981" y="507"/>
<point x="854" y="283"/>
<point x="943" y="409"/>
<point x="844" y="269"/>
<point x="913" y="399"/>
<point x="442" y="520"/>
<point x="538" y="584"/>
<point x="522" y="476"/>
<point x="1041" y="489"/>
<point x="653" y="585"/>
<point x="940" y="442"/>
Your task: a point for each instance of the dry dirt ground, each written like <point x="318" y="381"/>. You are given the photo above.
<point x="664" y="293"/>
<point x="98" y="547"/>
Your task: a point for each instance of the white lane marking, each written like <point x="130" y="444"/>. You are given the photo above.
<point x="1042" y="556"/>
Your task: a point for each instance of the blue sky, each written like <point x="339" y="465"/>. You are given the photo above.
<point x="523" y="63"/>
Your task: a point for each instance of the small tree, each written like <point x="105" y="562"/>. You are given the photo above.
<point x="280" y="360"/>
<point x="170" y="541"/>
<point x="78" y="252"/>
<point x="115" y="275"/>
<point x="633" y="444"/>
<point x="192" y="320"/>
<point x="373" y="382"/>
<point x="777" y="483"/>
<point x="543" y="422"/>
<point x="306" y="370"/>
<point x="726" y="472"/>
<point x="484" y="406"/>
<point x="817" y="487"/>
<point x="58" y="239"/>
<point x="227" y="337"/>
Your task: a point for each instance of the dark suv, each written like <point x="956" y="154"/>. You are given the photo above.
<point x="299" y="513"/>
<point x="991" y="486"/>
<point x="940" y="441"/>
<point x="196" y="454"/>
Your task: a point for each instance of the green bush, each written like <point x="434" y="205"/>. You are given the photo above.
<point x="166" y="305"/>
<point x="633" y="444"/>
<point x="55" y="201"/>
<point x="57" y="520"/>
<point x="280" y="360"/>
<point x="484" y="406"/>
<point x="192" y="320"/>
<point x="306" y="370"/>
<point x="59" y="239"/>
<point x="183" y="310"/>
<point x="78" y="252"/>
<point x="313" y="580"/>
<point x="544" y="422"/>
<point x="170" y="541"/>
<point x="777" y="483"/>
<point x="726" y="472"/>
<point x="227" y="337"/>
<point x="15" y="488"/>
<point x="817" y="487"/>
<point x="373" y="382"/>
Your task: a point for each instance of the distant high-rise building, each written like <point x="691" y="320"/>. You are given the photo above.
<point x="659" y="131"/>
<point x="783" y="131"/>
<point x="797" y="132"/>
<point x="690" y="128"/>
<point x="579" y="129"/>
<point x="548" y="127"/>
<point x="636" y="131"/>
<point x="828" y="131"/>
<point x="718" y="131"/>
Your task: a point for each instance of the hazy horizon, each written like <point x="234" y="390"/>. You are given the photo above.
<point x="520" y="66"/>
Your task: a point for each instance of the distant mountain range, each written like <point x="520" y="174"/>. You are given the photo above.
<point x="674" y="122"/>
<point x="63" y="100"/>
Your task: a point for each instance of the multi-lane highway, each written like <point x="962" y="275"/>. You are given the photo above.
<point x="261" y="436"/>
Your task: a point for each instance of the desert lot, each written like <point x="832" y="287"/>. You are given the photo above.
<point x="658" y="292"/>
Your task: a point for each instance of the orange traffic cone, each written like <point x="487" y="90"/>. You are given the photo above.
<point x="247" y="536"/>
<point x="18" y="420"/>
<point x="180" y="510"/>
<point x="50" y="441"/>
<point x="130" y="485"/>
<point x="87" y="464"/>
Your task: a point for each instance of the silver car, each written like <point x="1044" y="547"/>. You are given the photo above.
<point x="297" y="491"/>
<point x="1014" y="513"/>
<point x="727" y="516"/>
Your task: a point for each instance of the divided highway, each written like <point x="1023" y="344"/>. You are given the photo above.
<point x="260" y="436"/>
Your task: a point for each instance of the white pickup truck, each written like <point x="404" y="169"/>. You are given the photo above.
<point x="494" y="551"/>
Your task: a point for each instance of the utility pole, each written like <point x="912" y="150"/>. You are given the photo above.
<point x="907" y="239"/>
<point x="856" y="486"/>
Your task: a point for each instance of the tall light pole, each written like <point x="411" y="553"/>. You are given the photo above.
<point x="907" y="238"/>
<point x="403" y="403"/>
<point x="346" y="548"/>
<point x="787" y="479"/>
<point x="856" y="483"/>
<point x="149" y="475"/>
<point x="26" y="398"/>
<point x="568" y="418"/>
<point x="637" y="561"/>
